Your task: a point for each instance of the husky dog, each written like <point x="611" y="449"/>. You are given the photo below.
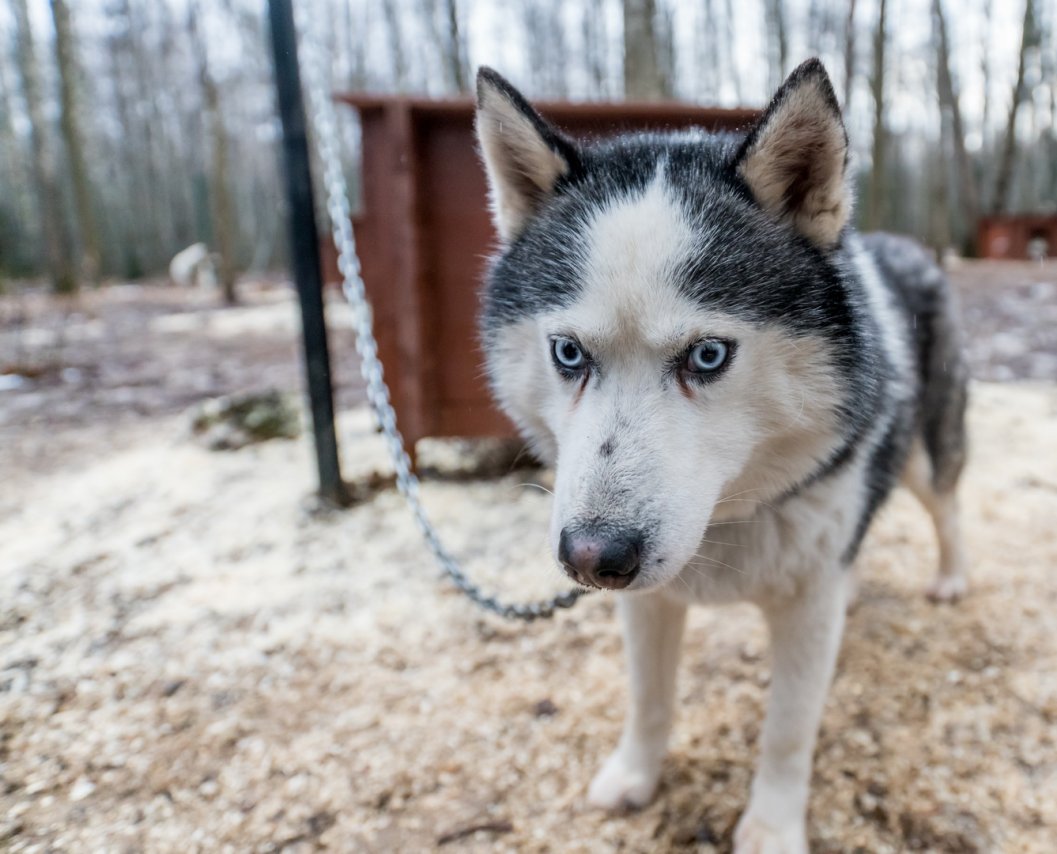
<point x="729" y="382"/>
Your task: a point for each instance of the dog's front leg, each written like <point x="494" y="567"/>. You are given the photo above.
<point x="805" y="637"/>
<point x="653" y="630"/>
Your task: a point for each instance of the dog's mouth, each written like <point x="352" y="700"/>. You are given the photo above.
<point x="596" y="582"/>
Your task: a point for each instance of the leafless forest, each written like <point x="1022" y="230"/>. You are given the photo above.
<point x="130" y="129"/>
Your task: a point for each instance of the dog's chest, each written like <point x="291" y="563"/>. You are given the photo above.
<point x="766" y="553"/>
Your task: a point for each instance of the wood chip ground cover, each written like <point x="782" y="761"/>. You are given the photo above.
<point x="190" y="660"/>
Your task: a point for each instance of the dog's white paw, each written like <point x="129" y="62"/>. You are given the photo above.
<point x="755" y="836"/>
<point x="623" y="784"/>
<point x="948" y="588"/>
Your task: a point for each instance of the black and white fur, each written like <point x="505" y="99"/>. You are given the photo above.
<point x="756" y="480"/>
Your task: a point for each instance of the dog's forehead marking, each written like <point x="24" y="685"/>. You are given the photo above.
<point x="638" y="233"/>
<point x="635" y="248"/>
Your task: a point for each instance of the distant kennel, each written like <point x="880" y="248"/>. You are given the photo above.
<point x="424" y="232"/>
<point x="1018" y="237"/>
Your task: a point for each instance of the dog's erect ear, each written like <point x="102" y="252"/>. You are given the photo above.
<point x="794" y="159"/>
<point x="523" y="155"/>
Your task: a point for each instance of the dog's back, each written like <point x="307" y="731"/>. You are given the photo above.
<point x="928" y="307"/>
<point x="931" y="454"/>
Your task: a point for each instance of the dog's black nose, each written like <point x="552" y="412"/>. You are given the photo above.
<point x="600" y="559"/>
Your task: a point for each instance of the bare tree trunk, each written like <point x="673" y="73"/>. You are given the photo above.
<point x="396" y="44"/>
<point x="134" y="235"/>
<point x="354" y="50"/>
<point x="223" y="210"/>
<point x="10" y="165"/>
<point x="1004" y="176"/>
<point x="57" y="261"/>
<point x="74" y="138"/>
<point x="664" y="35"/>
<point x="643" y="75"/>
<point x="875" y="212"/>
<point x="596" y="45"/>
<point x="456" y="49"/>
<point x="849" y="55"/>
<point x="1049" y="52"/>
<point x="949" y="103"/>
<point x="732" y="51"/>
<point x="774" y="16"/>
<point x="709" y="50"/>
<point x="546" y="49"/>
<point x="985" y="71"/>
<point x="190" y="132"/>
<point x="447" y="37"/>
<point x="938" y="201"/>
<point x="150" y="157"/>
<point x="16" y="216"/>
<point x="161" y="150"/>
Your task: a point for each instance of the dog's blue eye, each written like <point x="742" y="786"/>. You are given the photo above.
<point x="568" y="355"/>
<point x="708" y="356"/>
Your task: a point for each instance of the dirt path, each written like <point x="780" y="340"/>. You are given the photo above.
<point x="92" y="374"/>
<point x="191" y="662"/>
<point x="1009" y="310"/>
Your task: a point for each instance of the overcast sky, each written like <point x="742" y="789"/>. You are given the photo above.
<point x="496" y="37"/>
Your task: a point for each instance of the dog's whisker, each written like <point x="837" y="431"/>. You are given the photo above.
<point x="748" y="500"/>
<point x="743" y="492"/>
<point x="535" y="486"/>
<point x="695" y="569"/>
<point x="803" y="402"/>
<point x="720" y="563"/>
<point x="517" y="457"/>
<point x="701" y="571"/>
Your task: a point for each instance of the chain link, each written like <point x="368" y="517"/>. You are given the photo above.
<point x="340" y="214"/>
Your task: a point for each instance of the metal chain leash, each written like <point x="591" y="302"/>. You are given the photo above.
<point x="340" y="215"/>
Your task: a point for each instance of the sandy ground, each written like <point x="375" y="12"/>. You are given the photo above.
<point x="191" y="660"/>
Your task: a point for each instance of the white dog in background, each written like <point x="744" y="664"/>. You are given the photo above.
<point x="194" y="267"/>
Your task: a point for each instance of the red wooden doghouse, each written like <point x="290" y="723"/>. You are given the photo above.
<point x="424" y="233"/>
<point x="1017" y="236"/>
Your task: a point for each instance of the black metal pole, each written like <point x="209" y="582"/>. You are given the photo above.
<point x="304" y="249"/>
